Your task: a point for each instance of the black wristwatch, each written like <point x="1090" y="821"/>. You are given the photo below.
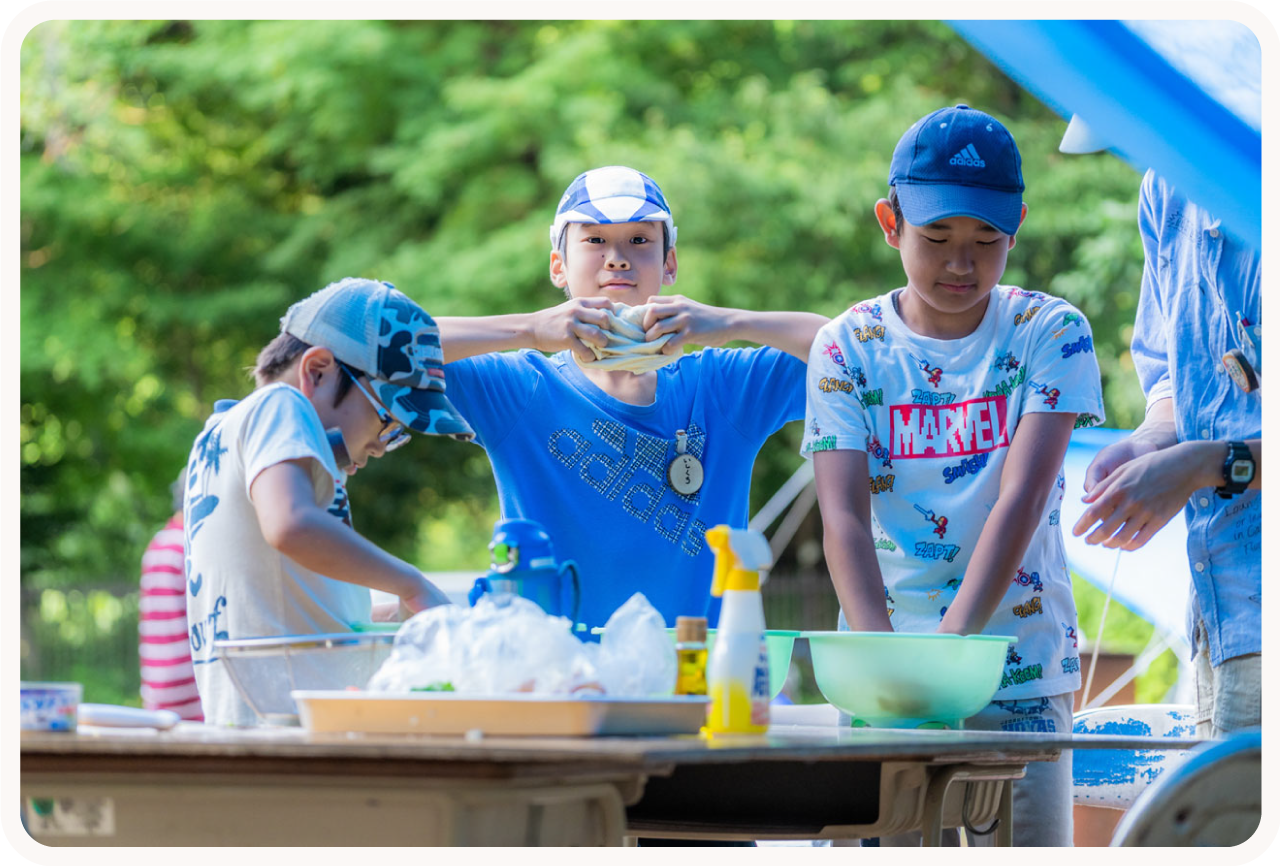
<point x="1237" y="470"/>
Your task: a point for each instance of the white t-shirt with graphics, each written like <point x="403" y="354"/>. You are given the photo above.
<point x="238" y="585"/>
<point x="936" y="418"/>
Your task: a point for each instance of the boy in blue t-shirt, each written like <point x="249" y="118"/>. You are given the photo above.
<point x="938" y="417"/>
<point x="626" y="470"/>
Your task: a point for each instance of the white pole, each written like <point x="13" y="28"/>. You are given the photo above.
<point x="1159" y="643"/>
<point x="1097" y="643"/>
<point x="778" y="503"/>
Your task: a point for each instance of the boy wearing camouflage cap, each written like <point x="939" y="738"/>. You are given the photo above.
<point x="264" y="552"/>
<point x="627" y="457"/>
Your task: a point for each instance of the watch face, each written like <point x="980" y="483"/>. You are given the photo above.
<point x="1241" y="472"/>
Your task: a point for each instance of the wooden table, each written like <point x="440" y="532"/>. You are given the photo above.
<point x="196" y="785"/>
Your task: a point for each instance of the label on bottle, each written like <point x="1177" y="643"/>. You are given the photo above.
<point x="738" y="684"/>
<point x="760" y="687"/>
<point x="691" y="671"/>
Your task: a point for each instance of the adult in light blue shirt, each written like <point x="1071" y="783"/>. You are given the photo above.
<point x="1198" y="286"/>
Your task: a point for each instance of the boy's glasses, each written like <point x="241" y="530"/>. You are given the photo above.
<point x="394" y="434"/>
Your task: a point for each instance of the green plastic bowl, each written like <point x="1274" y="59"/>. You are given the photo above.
<point x="376" y="627"/>
<point x="778" y="643"/>
<point x="897" y="680"/>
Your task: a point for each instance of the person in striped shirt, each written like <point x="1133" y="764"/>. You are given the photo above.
<point x="164" y="650"/>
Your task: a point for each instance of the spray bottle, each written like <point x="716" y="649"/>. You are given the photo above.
<point x="738" y="669"/>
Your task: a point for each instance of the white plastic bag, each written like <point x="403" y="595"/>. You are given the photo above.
<point x="508" y="644"/>
<point x="637" y="657"/>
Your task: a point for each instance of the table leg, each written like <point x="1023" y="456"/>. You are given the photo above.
<point x="935" y="795"/>
<point x="1004" y="833"/>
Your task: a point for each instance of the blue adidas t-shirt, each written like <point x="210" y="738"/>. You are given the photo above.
<point x="593" y="469"/>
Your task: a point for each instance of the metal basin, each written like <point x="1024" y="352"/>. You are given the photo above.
<point x="266" y="669"/>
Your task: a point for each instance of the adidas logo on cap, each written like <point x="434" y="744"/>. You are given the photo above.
<point x="968" y="156"/>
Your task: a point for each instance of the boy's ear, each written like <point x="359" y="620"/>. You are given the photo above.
<point x="1013" y="239"/>
<point x="888" y="223"/>
<point x="316" y="368"/>
<point x="669" y="268"/>
<point x="559" y="278"/>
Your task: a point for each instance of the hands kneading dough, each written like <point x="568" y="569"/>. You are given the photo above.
<point x="627" y="348"/>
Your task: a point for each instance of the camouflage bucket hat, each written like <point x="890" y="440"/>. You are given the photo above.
<point x="378" y="330"/>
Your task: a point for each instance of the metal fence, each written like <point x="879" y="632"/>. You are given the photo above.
<point x="800" y="600"/>
<point x="90" y="634"/>
<point x="87" y="635"/>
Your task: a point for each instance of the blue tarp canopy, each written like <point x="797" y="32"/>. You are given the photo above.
<point x="1181" y="97"/>
<point x="1185" y="99"/>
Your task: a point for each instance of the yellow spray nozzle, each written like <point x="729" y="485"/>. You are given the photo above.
<point x="741" y="556"/>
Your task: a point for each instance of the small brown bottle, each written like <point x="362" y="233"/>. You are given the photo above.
<point x="691" y="655"/>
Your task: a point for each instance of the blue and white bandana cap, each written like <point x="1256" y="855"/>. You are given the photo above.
<point x="612" y="194"/>
<point x="380" y="331"/>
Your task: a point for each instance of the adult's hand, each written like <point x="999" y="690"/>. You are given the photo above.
<point x="1111" y="458"/>
<point x="1133" y="501"/>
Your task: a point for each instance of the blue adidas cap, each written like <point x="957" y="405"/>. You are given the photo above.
<point x="958" y="162"/>
<point x="612" y="194"/>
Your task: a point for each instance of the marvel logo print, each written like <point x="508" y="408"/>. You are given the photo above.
<point x="949" y="430"/>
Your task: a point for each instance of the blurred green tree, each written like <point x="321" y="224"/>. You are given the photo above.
<point x="183" y="182"/>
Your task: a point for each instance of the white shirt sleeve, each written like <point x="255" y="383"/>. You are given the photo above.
<point x="835" y="419"/>
<point x="1062" y="374"/>
<point x="1150" y="329"/>
<point x="281" y="426"/>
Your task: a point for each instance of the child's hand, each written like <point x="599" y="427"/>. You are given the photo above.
<point x="387" y="611"/>
<point x="576" y="325"/>
<point x="688" y="321"/>
<point x="426" y="595"/>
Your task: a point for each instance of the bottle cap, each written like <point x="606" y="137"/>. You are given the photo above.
<point x="691" y="629"/>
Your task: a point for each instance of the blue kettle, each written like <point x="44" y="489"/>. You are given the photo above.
<point x="522" y="562"/>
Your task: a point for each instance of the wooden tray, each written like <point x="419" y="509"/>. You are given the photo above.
<point x="507" y="715"/>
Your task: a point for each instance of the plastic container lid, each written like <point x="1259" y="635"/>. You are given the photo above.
<point x="691" y="629"/>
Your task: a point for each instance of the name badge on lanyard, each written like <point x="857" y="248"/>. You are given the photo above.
<point x="1244" y="365"/>
<point x="684" y="473"/>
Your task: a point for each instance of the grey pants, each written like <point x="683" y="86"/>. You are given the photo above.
<point x="1228" y="697"/>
